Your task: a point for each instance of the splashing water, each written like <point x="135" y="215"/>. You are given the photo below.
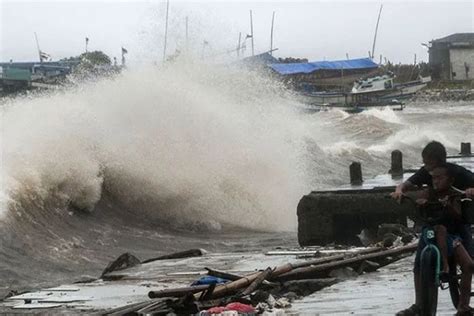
<point x="133" y="161"/>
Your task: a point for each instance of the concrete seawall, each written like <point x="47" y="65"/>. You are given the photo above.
<point x="339" y="215"/>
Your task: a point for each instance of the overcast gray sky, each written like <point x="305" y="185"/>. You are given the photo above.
<point x="316" y="30"/>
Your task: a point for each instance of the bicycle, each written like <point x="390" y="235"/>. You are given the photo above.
<point x="431" y="214"/>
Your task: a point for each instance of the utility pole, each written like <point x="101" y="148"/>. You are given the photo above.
<point x="271" y="34"/>
<point x="166" y="29"/>
<point x="251" y="32"/>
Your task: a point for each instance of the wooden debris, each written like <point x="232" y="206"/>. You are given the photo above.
<point x="178" y="292"/>
<point x="123" y="310"/>
<point x="317" y="270"/>
<point x="258" y="280"/>
<point x="178" y="255"/>
<point x="223" y="275"/>
<point x="299" y="279"/>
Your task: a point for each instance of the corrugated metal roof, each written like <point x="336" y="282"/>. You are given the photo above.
<point x="456" y="38"/>
<point x="262" y="59"/>
<point x="305" y="68"/>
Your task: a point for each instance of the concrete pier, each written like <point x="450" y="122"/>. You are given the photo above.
<point x="339" y="215"/>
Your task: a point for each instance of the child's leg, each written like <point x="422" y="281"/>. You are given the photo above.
<point x="441" y="235"/>
<point x="465" y="262"/>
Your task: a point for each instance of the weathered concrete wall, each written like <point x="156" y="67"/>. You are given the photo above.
<point x="462" y="63"/>
<point x="439" y="62"/>
<point x="338" y="216"/>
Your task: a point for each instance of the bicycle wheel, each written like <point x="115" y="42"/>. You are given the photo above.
<point x="429" y="286"/>
<point x="454" y="283"/>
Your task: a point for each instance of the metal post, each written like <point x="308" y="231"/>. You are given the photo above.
<point x="397" y="164"/>
<point x="355" y="170"/>
<point x="466" y="149"/>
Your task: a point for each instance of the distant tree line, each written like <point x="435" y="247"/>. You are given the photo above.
<point x="289" y="60"/>
<point x="95" y="63"/>
<point x="404" y="72"/>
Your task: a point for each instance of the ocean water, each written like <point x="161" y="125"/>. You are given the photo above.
<point x="191" y="155"/>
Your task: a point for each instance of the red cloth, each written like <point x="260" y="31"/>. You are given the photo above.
<point x="239" y="307"/>
<point x="216" y="310"/>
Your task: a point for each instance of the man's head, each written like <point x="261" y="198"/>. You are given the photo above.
<point x="443" y="178"/>
<point x="434" y="154"/>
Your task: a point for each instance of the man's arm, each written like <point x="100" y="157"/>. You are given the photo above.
<point x="420" y="177"/>
<point x="470" y="192"/>
<point x="402" y="188"/>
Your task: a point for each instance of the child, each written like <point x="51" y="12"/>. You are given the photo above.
<point x="448" y="230"/>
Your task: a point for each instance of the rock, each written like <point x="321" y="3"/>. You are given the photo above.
<point x="406" y="238"/>
<point x="368" y="266"/>
<point x="124" y="261"/>
<point x="343" y="273"/>
<point x="306" y="287"/>
<point x="389" y="239"/>
<point x="396" y="229"/>
<point x="367" y="237"/>
<point x="282" y="303"/>
<point x="259" y="296"/>
<point x="291" y="296"/>
<point x="271" y="301"/>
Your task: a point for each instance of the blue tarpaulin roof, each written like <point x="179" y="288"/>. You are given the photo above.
<point x="306" y="68"/>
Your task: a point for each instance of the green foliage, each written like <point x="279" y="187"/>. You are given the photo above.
<point x="91" y="64"/>
<point x="288" y="60"/>
<point x="95" y="58"/>
<point x="406" y="72"/>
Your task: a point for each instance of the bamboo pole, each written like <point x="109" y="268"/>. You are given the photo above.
<point x="308" y="271"/>
<point x="256" y="283"/>
<point x="178" y="292"/>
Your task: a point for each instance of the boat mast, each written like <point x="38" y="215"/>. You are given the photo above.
<point x="271" y="34"/>
<point x="251" y="32"/>
<point x="166" y="29"/>
<point x="238" y="45"/>
<point x="187" y="38"/>
<point x="376" y="29"/>
<point x="38" y="47"/>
